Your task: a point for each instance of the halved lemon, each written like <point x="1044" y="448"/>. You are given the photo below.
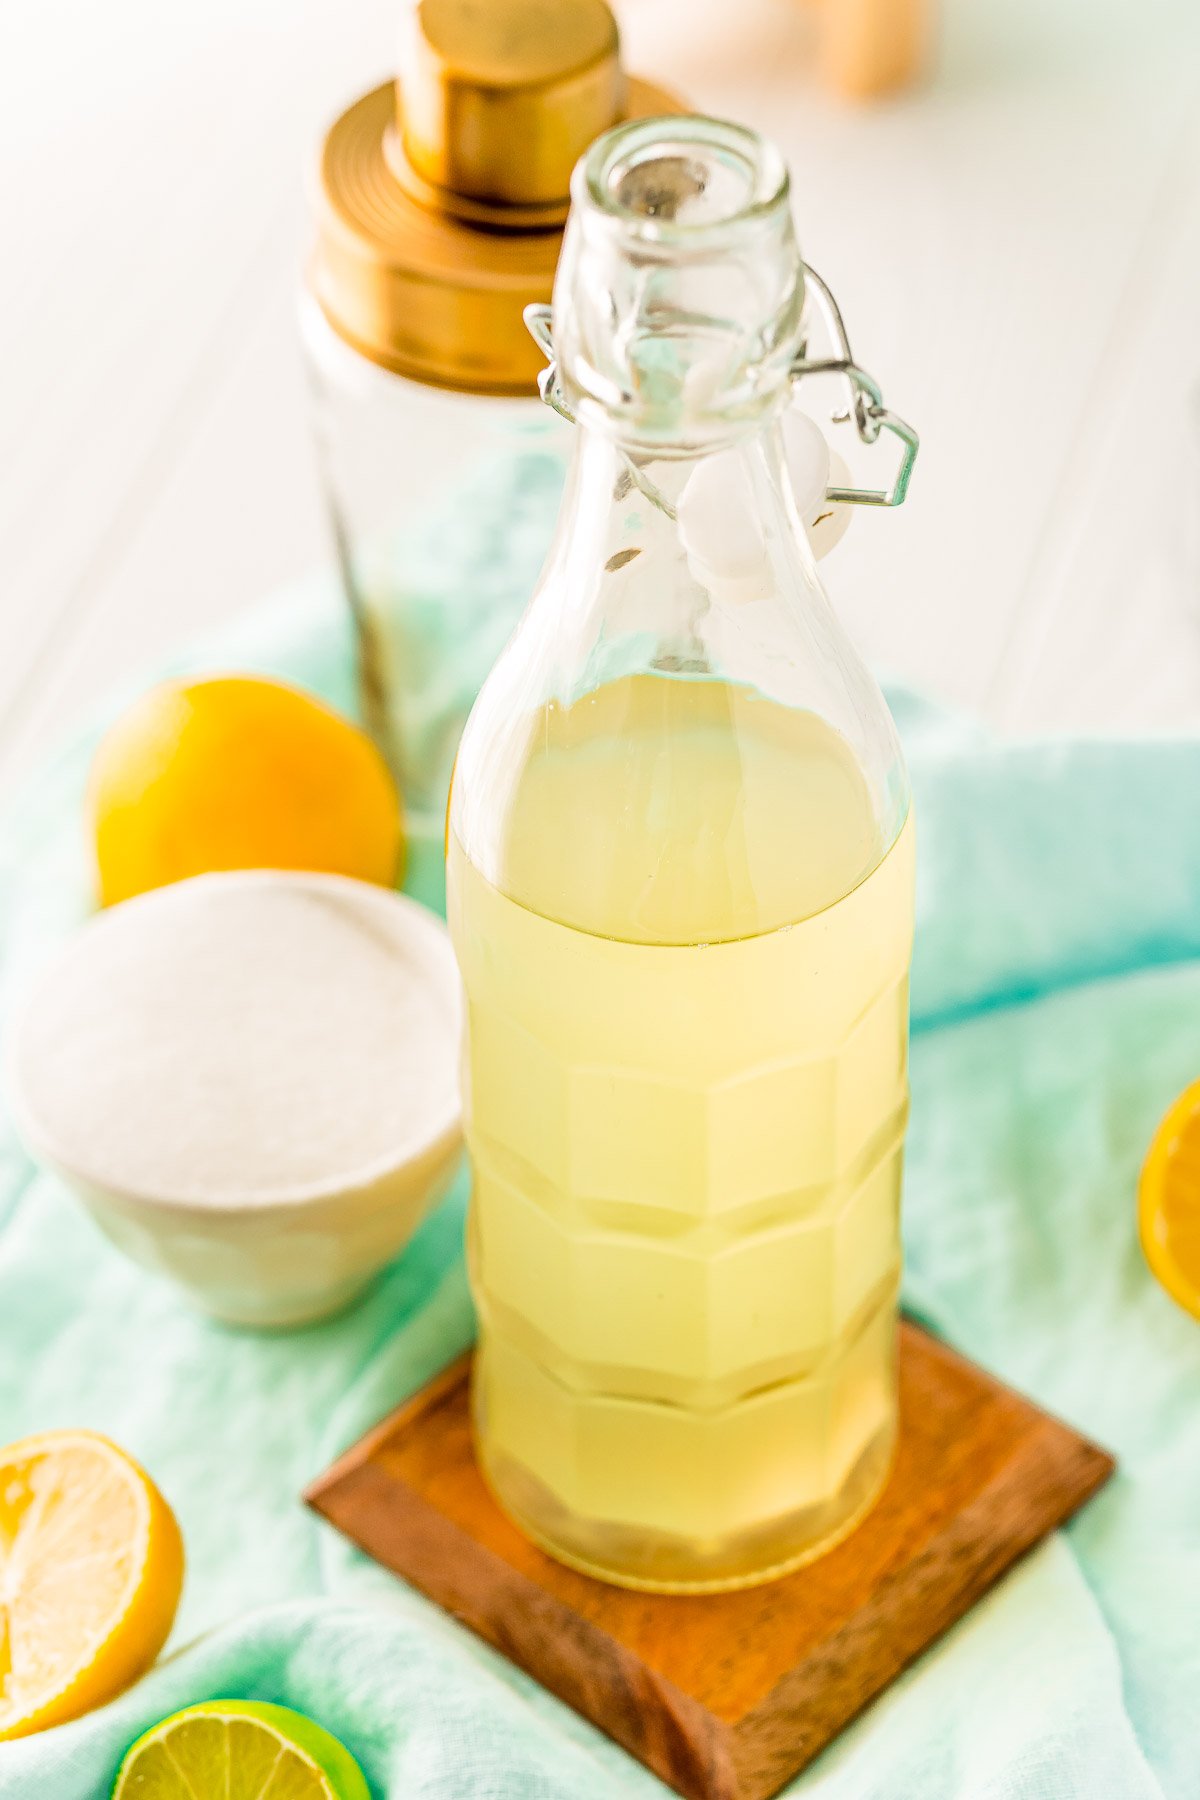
<point x="1169" y="1201"/>
<point x="241" y="1750"/>
<point x="91" y="1568"/>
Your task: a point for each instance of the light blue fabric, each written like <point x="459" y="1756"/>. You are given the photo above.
<point x="1056" y="1013"/>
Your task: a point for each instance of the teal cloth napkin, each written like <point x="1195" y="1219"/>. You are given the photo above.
<point x="1056" y="1013"/>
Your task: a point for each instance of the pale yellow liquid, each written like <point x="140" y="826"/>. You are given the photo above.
<point x="686" y="1086"/>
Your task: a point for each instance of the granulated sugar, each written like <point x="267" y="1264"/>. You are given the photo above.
<point x="243" y="1037"/>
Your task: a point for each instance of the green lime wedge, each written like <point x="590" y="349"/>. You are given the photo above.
<point x="239" y="1750"/>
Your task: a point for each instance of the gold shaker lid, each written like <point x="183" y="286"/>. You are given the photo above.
<point x="441" y="197"/>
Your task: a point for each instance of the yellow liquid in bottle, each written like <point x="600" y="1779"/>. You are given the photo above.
<point x="686" y="1086"/>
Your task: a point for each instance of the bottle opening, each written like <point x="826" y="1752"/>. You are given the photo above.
<point x="667" y="177"/>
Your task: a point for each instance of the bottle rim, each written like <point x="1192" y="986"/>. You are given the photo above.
<point x="720" y="179"/>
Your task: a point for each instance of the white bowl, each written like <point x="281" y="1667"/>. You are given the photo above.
<point x="251" y="1080"/>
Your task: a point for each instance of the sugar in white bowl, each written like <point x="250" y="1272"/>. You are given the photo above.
<point x="252" y="1081"/>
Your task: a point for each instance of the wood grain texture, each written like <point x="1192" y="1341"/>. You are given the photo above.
<point x="726" y="1696"/>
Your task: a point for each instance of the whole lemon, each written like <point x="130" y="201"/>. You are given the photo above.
<point x="237" y="772"/>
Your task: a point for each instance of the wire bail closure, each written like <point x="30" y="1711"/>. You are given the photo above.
<point x="864" y="400"/>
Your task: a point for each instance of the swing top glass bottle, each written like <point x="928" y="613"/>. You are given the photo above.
<point x="680" y="887"/>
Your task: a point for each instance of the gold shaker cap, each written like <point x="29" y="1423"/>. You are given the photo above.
<point x="496" y="100"/>
<point x="441" y="197"/>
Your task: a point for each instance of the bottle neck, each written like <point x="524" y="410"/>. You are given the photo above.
<point x="679" y="297"/>
<point x="681" y="564"/>
<point x="719" y="501"/>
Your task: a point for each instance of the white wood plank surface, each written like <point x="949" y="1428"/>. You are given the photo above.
<point x="1017" y="247"/>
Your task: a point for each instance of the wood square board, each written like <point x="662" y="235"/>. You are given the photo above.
<point x="727" y="1696"/>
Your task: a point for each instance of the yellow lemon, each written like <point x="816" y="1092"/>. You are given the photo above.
<point x="91" y="1567"/>
<point x="1169" y="1201"/>
<point x="246" y="1749"/>
<point x="235" y="772"/>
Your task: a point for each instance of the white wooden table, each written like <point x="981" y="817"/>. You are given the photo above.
<point x="1017" y="248"/>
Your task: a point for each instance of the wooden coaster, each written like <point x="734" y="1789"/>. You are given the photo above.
<point x="726" y="1696"/>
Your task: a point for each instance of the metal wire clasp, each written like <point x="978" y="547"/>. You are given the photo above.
<point x="538" y="323"/>
<point x="864" y="399"/>
<point x="865" y="403"/>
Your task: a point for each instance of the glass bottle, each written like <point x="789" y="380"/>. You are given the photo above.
<point x="681" y="894"/>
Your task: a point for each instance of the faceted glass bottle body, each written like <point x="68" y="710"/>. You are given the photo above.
<point x="681" y="897"/>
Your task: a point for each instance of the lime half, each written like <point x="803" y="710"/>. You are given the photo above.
<point x="239" y="1750"/>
